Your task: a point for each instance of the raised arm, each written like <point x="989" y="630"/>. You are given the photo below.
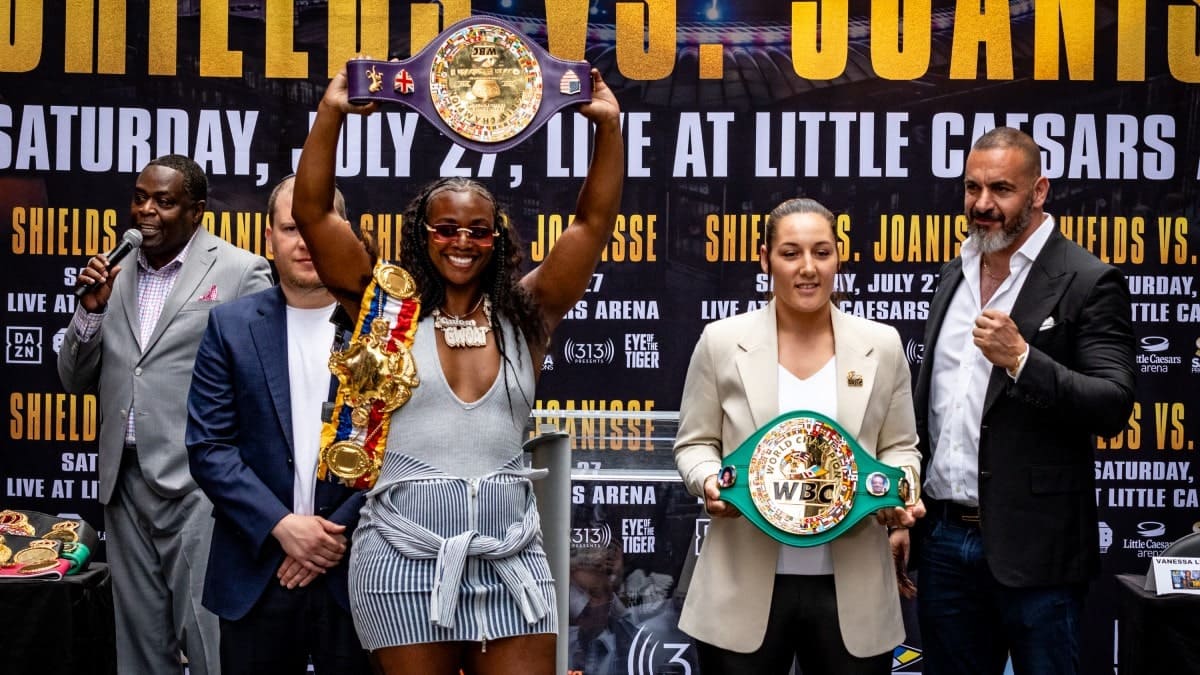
<point x="561" y="279"/>
<point x="341" y="259"/>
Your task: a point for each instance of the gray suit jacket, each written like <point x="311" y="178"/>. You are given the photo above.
<point x="732" y="389"/>
<point x="114" y="367"/>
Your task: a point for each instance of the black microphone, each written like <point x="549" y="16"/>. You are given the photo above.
<point x="131" y="240"/>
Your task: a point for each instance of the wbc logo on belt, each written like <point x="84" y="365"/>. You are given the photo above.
<point x="804" y="481"/>
<point x="802" y="476"/>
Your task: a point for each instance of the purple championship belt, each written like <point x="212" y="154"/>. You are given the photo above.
<point x="480" y="82"/>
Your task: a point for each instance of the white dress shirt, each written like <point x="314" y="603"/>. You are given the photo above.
<point x="960" y="372"/>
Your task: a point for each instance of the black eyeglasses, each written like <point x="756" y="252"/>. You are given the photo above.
<point x="447" y="232"/>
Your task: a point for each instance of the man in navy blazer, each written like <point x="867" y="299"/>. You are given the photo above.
<point x="280" y="547"/>
<point x="1029" y="355"/>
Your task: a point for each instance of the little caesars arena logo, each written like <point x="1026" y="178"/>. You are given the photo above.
<point x="802" y="476"/>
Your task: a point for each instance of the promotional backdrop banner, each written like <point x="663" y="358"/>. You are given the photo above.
<point x="728" y="107"/>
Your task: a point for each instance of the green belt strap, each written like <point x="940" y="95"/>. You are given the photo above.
<point x="804" y="481"/>
<point x="77" y="553"/>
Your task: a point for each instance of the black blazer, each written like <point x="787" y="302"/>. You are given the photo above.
<point x="239" y="439"/>
<point x="1037" y="438"/>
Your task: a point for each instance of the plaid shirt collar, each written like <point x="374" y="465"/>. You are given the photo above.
<point x="175" y="263"/>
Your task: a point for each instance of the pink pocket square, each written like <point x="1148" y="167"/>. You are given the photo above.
<point x="210" y="295"/>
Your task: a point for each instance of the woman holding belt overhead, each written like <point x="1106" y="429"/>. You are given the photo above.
<point x="754" y="604"/>
<point x="447" y="569"/>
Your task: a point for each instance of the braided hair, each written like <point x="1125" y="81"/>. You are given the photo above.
<point x="500" y="279"/>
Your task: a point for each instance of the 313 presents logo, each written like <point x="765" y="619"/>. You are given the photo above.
<point x="589" y="353"/>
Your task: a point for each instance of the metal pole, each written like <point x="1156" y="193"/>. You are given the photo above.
<point x="551" y="450"/>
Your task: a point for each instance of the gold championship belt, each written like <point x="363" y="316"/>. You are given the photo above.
<point x="376" y="375"/>
<point x="39" y="555"/>
<point x="480" y="82"/>
<point x="15" y="522"/>
<point x="43" y="545"/>
<point x="804" y="481"/>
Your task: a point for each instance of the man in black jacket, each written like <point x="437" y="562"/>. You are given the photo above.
<point x="1029" y="354"/>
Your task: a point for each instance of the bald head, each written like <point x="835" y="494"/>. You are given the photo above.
<point x="1003" y="138"/>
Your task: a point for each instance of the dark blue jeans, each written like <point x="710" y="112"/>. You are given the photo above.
<point x="971" y="623"/>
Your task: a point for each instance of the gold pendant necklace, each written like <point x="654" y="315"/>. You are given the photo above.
<point x="460" y="331"/>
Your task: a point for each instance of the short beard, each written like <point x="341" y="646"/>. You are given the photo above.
<point x="988" y="243"/>
<point x="302" y="284"/>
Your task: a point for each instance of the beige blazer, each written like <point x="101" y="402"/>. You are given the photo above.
<point x="731" y="391"/>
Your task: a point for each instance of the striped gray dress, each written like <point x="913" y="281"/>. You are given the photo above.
<point x="448" y="547"/>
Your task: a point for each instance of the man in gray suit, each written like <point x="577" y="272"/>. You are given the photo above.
<point x="132" y="342"/>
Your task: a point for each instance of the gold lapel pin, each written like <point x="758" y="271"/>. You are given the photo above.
<point x="853" y="379"/>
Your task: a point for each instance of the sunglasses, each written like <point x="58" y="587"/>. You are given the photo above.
<point x="447" y="232"/>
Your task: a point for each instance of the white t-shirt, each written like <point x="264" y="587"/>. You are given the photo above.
<point x="309" y="339"/>
<point x="817" y="393"/>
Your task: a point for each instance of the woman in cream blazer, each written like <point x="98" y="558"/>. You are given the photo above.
<point x="732" y="389"/>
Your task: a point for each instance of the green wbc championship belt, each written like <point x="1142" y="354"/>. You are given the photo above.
<point x="804" y="481"/>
